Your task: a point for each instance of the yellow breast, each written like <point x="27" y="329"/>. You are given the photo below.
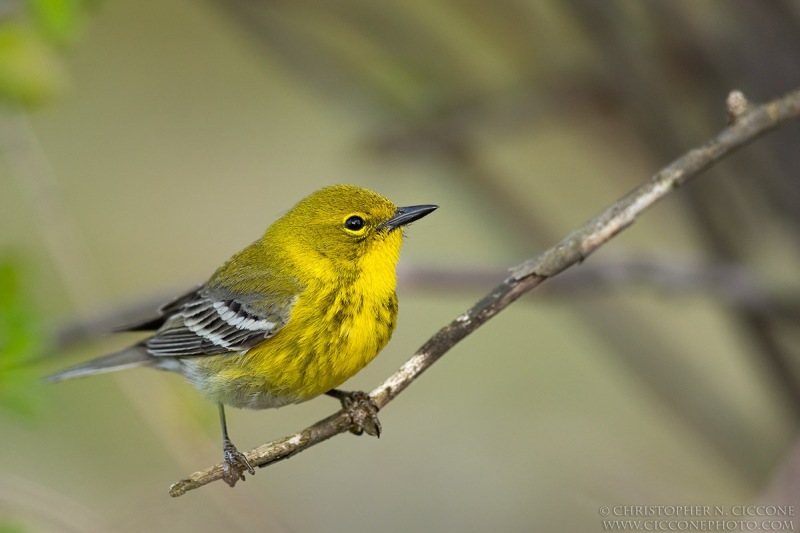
<point x="334" y="330"/>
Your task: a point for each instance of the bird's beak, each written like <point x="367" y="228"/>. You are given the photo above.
<point x="406" y="215"/>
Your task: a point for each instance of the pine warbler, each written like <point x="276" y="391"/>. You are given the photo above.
<point x="290" y="317"/>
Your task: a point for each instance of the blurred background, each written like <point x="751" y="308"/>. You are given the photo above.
<point x="143" y="142"/>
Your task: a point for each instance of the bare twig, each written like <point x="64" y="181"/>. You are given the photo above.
<point x="737" y="105"/>
<point x="571" y="250"/>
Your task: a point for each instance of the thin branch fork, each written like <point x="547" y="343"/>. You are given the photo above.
<point x="747" y="122"/>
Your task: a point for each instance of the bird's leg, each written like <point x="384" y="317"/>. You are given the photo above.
<point x="234" y="462"/>
<point x="362" y="410"/>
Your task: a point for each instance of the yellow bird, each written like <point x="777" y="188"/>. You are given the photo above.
<point x="290" y="317"/>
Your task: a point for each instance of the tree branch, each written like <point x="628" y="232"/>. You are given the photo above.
<point x="747" y="123"/>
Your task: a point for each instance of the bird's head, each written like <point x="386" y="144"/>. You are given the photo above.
<point x="345" y="227"/>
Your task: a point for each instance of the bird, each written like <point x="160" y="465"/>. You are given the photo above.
<point x="290" y="317"/>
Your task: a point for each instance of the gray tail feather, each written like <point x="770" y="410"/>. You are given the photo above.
<point x="131" y="357"/>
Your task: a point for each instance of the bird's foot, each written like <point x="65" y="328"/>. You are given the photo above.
<point x="362" y="409"/>
<point x="234" y="464"/>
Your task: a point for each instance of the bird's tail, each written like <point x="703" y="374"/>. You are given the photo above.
<point x="131" y="357"/>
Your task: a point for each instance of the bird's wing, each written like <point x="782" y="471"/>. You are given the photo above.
<point x="215" y="320"/>
<point x="164" y="312"/>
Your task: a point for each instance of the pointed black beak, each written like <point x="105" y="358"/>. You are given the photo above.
<point x="406" y="215"/>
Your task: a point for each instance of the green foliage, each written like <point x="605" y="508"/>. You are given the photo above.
<point x="58" y="20"/>
<point x="11" y="527"/>
<point x="32" y="72"/>
<point x="20" y="340"/>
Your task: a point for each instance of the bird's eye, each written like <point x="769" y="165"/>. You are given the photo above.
<point x="354" y="223"/>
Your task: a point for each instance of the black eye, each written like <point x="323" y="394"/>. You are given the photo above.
<point x="354" y="223"/>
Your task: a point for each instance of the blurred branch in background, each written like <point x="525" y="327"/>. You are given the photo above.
<point x="31" y="169"/>
<point x="441" y="95"/>
<point x="573" y="249"/>
<point x="667" y="275"/>
<point x="715" y="207"/>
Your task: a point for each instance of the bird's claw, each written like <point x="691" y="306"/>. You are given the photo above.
<point x="234" y="464"/>
<point x="363" y="412"/>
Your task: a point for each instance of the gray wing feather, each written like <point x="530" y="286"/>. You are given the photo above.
<point x="213" y="323"/>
